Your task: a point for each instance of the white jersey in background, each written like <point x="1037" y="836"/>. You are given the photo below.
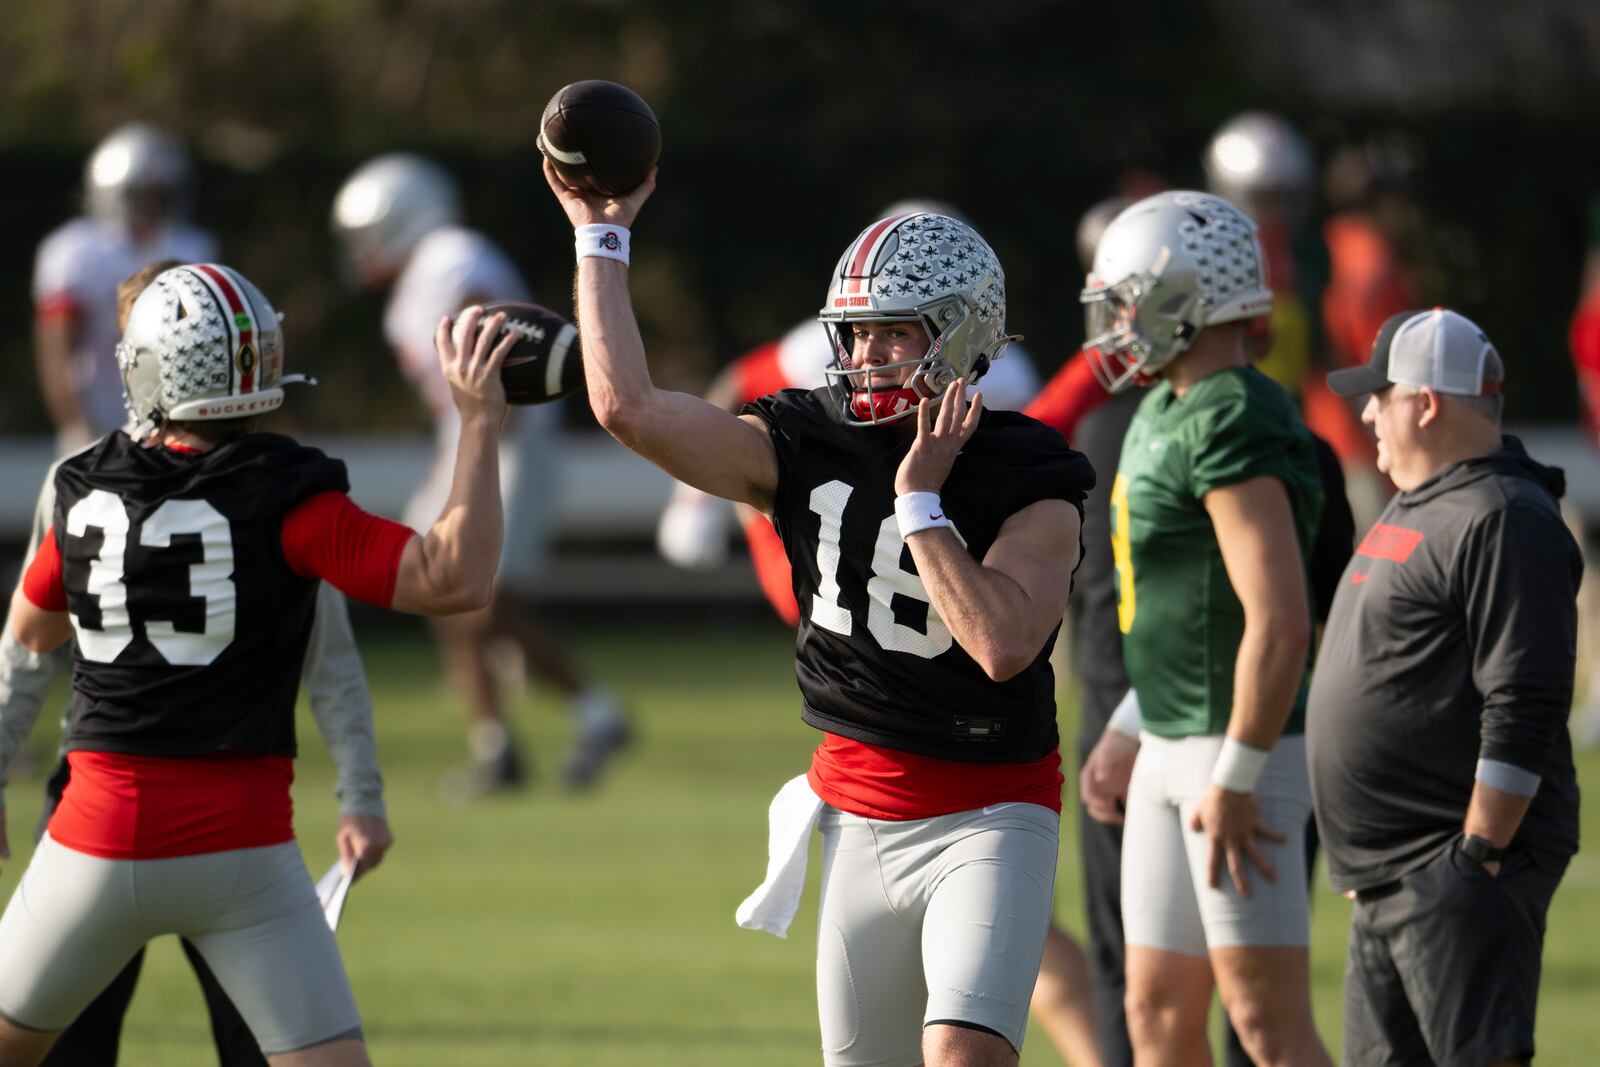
<point x="806" y="351"/>
<point x="76" y="273"/>
<point x="449" y="267"/>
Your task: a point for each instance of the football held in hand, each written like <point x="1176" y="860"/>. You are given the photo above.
<point x="601" y="136"/>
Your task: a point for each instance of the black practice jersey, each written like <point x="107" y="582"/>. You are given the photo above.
<point x="875" y="663"/>
<point x="191" y="628"/>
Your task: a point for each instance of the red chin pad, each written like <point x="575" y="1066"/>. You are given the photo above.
<point x="880" y="404"/>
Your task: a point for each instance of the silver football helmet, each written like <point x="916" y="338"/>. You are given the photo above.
<point x="925" y="268"/>
<point x="1257" y="155"/>
<point x="201" y="343"/>
<point x="1166" y="268"/>
<point x="139" y="169"/>
<point x="387" y="206"/>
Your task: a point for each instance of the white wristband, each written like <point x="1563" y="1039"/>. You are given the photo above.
<point x="1239" y="766"/>
<point x="1125" y="720"/>
<point x="603" y="240"/>
<point x="916" y="512"/>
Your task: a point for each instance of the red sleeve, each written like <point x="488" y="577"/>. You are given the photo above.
<point x="772" y="567"/>
<point x="57" y="307"/>
<point x="327" y="536"/>
<point x="1584" y="337"/>
<point x="43" y="584"/>
<point x="758" y="373"/>
<point x="1068" y="396"/>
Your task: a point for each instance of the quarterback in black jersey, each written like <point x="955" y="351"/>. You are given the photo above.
<point x="932" y="545"/>
<point x="183" y="560"/>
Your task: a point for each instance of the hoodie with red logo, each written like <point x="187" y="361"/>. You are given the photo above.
<point x="1451" y="641"/>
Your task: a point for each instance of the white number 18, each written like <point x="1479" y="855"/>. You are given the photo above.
<point x="888" y="580"/>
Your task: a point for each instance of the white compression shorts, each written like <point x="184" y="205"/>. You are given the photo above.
<point x="1166" y="903"/>
<point x="75" y="920"/>
<point x="929" y="921"/>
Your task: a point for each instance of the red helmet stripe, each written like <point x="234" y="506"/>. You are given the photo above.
<point x="245" y="332"/>
<point x="866" y="251"/>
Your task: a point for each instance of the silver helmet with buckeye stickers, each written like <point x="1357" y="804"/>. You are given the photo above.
<point x="917" y="267"/>
<point x="1166" y="268"/>
<point x="201" y="343"/>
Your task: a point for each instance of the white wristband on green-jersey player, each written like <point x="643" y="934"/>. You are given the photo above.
<point x="1239" y="766"/>
<point x="1126" y="720"/>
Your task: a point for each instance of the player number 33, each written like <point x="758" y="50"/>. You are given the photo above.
<point x="211" y="579"/>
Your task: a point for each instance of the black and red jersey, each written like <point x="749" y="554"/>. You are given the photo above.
<point x="191" y="625"/>
<point x="874" y="662"/>
<point x="191" y="580"/>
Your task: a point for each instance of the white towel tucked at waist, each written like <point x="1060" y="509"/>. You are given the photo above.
<point x="790" y="820"/>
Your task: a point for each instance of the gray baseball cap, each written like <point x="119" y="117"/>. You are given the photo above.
<point x="1441" y="349"/>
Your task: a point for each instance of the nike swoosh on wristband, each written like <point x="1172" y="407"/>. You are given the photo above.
<point x="936" y="518"/>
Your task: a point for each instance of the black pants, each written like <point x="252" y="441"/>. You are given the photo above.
<point x="95" y="1035"/>
<point x="1443" y="965"/>
<point x="1101" y="847"/>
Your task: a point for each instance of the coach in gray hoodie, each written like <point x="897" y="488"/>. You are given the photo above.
<point x="1441" y="767"/>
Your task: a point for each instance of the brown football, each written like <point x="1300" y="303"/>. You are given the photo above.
<point x="601" y="137"/>
<point x="544" y="364"/>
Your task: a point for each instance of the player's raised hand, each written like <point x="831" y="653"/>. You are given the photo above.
<point x="586" y="208"/>
<point x="362" y="841"/>
<point x="942" y="430"/>
<point x="471" y="350"/>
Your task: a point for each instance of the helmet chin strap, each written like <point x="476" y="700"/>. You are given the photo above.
<point x="143" y="432"/>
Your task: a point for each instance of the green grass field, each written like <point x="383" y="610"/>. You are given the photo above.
<point x="598" y="930"/>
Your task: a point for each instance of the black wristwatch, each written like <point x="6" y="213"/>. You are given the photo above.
<point x="1481" y="849"/>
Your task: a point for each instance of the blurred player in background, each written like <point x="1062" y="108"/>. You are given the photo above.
<point x="693" y="530"/>
<point x="1583" y="338"/>
<point x="1261" y="164"/>
<point x="922" y="651"/>
<point x="183" y="556"/>
<point x="1217" y="490"/>
<point x="342" y="706"/>
<point x="137" y="189"/>
<point x="1323" y="307"/>
<point x="398" y="219"/>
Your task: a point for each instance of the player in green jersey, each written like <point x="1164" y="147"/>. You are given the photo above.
<point x="1216" y="496"/>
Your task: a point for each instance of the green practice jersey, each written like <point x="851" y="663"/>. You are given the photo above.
<point x="1179" y="615"/>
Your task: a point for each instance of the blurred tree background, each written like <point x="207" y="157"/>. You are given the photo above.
<point x="787" y="125"/>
